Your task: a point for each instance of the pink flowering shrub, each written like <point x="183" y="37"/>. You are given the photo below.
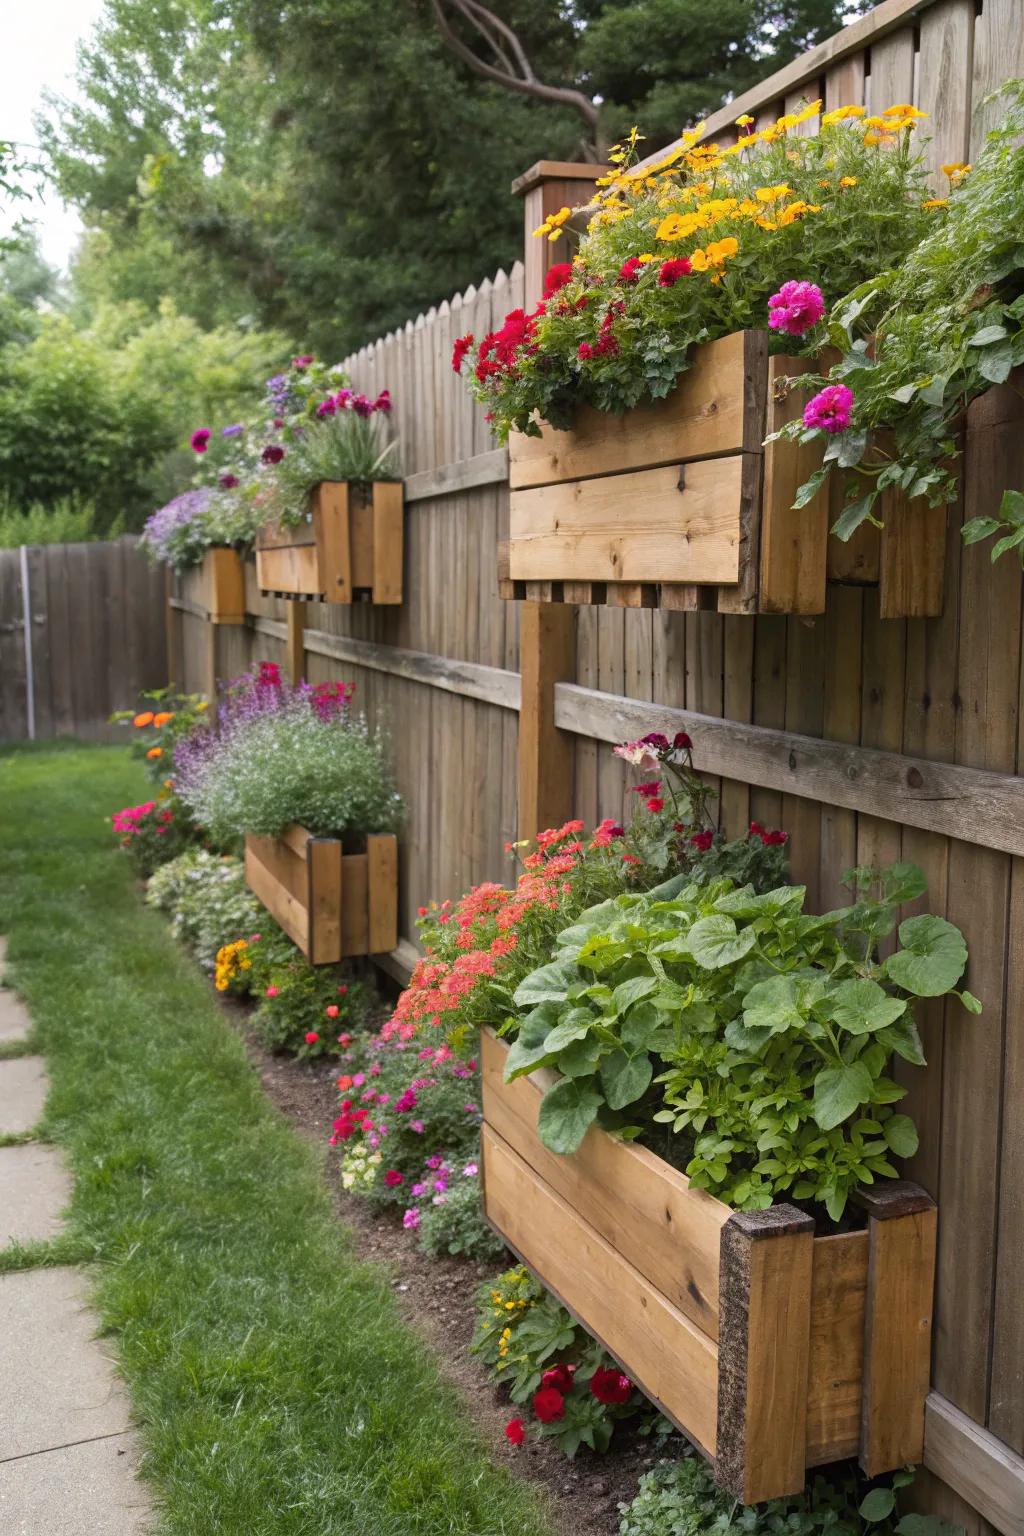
<point x="152" y="833"/>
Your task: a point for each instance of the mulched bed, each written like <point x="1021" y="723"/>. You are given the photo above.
<point x="435" y="1296"/>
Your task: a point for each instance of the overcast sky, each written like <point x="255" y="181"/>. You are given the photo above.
<point x="39" y="51"/>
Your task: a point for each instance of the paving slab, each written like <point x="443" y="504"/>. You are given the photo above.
<point x="35" y="1187"/>
<point x="79" y="1490"/>
<point x="59" y="1386"/>
<point x="14" y="1017"/>
<point x="23" y="1085"/>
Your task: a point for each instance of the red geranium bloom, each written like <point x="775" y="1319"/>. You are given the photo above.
<point x="515" y="1432"/>
<point x="272" y="454"/>
<point x="672" y="271"/>
<point x="199" y="440"/>
<point x="311" y="1037"/>
<point x="631" y="269"/>
<point x="556" y="277"/>
<point x="459" y="351"/>
<point x="681" y="741"/>
<point x="393" y="1178"/>
<point x="610" y="1386"/>
<point x="650" y="788"/>
<point x="655" y="804"/>
<point x="702" y="840"/>
<point x="549" y="1405"/>
<point x="559" y="1377"/>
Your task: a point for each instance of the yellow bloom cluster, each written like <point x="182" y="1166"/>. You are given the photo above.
<point x="231" y="961"/>
<point x="552" y="226"/>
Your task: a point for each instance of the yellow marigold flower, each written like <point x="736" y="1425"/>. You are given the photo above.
<point x="794" y="211"/>
<point x="903" y="109"/>
<point x="840" y="114"/>
<point x="871" y="139"/>
<point x="811" y="110"/>
<point x="203" y="704"/>
<point x="825" y="183"/>
<point x="168" y="783"/>
<point x="936" y="202"/>
<point x="847" y="181"/>
<point x="744" y="121"/>
<point x="553" y="223"/>
<point x="773" y="194"/>
<point x="955" y="169"/>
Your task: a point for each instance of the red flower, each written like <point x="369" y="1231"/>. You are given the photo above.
<point x="199" y="440"/>
<point x="272" y="454"/>
<point x="556" y="277"/>
<point x="672" y="271"/>
<point x="311" y="1037"/>
<point x="459" y="351"/>
<point x="774" y="839"/>
<point x="228" y="482"/>
<point x="393" y="1178"/>
<point x="303" y="361"/>
<point x="631" y="269"/>
<point x="650" y="788"/>
<point x="332" y="1010"/>
<point x="559" y="1377"/>
<point x="702" y="840"/>
<point x="342" y="991"/>
<point x="549" y="1405"/>
<point x="515" y="1432"/>
<point x="610" y="1386"/>
<point x="585" y="351"/>
<point x="655" y="804"/>
<point x="681" y="742"/>
<point x="755" y="829"/>
<point x="657" y="740"/>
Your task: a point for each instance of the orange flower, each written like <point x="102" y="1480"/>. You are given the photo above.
<point x="146" y="718"/>
<point x="155" y="752"/>
<point x="163" y="717"/>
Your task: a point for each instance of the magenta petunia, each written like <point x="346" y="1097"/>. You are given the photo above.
<point x="831" y="410"/>
<point x="199" y="439"/>
<point x="795" y="308"/>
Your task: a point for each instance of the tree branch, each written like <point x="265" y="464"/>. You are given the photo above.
<point x="526" y="83"/>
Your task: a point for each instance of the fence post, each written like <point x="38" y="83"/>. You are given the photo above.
<point x="547" y="635"/>
<point x="295" y="644"/>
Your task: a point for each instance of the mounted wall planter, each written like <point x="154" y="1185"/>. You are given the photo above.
<point x="678" y="503"/>
<point x="332" y="905"/>
<point x="352" y="546"/>
<point x="218" y="585"/>
<point x="774" y="1350"/>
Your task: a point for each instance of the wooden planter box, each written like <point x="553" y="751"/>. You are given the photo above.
<point x="774" y="1350"/>
<point x="330" y="904"/>
<point x="218" y="585"/>
<point x="352" y="546"/>
<point x="678" y="504"/>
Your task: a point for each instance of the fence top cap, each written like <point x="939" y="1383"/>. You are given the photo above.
<point x="556" y="170"/>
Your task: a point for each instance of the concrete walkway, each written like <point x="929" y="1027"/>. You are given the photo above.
<point x="67" y="1451"/>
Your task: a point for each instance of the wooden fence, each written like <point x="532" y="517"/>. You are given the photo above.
<point x="869" y="740"/>
<point x="81" y="633"/>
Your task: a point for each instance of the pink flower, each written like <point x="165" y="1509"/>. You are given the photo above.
<point x="272" y="991"/>
<point x="795" y="308"/>
<point x="470" y="1171"/>
<point x="411" y="1219"/>
<point x="585" y="351"/>
<point x="332" y="1010"/>
<point x="303" y="361"/>
<point x="831" y="410"/>
<point x="393" y="1178"/>
<point x="639" y="754"/>
<point x="417" y="1126"/>
<point x="199" y="440"/>
<point x="311" y="1037"/>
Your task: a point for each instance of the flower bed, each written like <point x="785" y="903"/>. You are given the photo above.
<point x="353" y="544"/>
<point x="330" y="904"/>
<point x="770" y="1347"/>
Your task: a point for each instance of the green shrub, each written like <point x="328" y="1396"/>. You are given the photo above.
<point x="456" y="1225"/>
<point x="67" y="521"/>
<point x="208" y="902"/>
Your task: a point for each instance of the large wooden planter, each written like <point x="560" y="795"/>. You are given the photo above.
<point x="218" y="586"/>
<point x="678" y="504"/>
<point x="774" y="1350"/>
<point x="352" y="546"/>
<point x="330" y="904"/>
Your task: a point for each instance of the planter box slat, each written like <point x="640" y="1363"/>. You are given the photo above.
<point x="669" y="524"/>
<point x="352" y="543"/>
<point x="332" y="905"/>
<point x="838" y="1295"/>
<point x="809" y="1348"/>
<point x="218" y="585"/>
<point x="642" y="1207"/>
<point x="666" y="1354"/>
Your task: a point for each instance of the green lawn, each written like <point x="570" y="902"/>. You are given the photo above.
<point x="277" y="1389"/>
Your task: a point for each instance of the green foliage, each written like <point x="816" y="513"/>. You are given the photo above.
<point x="532" y="1346"/>
<point x="164" y="717"/>
<point x="344" y="446"/>
<point x="829" y="208"/>
<point x="944" y="326"/>
<point x="457" y="1226"/>
<point x="293" y="997"/>
<point x="681" y="1499"/>
<point x="760" y="1033"/>
<point x="206" y="898"/>
<point x="67" y="521"/>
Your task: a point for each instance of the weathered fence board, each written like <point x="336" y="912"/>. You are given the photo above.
<point x="94" y="621"/>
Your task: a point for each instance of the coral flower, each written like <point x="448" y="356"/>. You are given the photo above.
<point x="155" y="752"/>
<point x="831" y="410"/>
<point x="332" y="1010"/>
<point x="146" y="718"/>
<point x="163" y="717"/>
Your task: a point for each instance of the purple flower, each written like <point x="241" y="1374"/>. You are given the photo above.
<point x="233" y="431"/>
<point x="411" y="1219"/>
<point x="831" y="410"/>
<point x="437" y="1161"/>
<point x="416" y="1190"/>
<point x="795" y="308"/>
<point x="327" y="407"/>
<point x="406" y="1102"/>
<point x="362" y="405"/>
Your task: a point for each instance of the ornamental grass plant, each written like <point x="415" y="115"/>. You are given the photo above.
<point x="282" y="755"/>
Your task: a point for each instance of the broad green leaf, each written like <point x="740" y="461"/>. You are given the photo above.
<point x="529" y="1048"/>
<point x="900" y="1134"/>
<point x="904" y="394"/>
<point x="978" y="528"/>
<point x="811" y="487"/>
<point x="773" y="1005"/>
<point x="904" y="1039"/>
<point x="740" y="1038"/>
<point x="852" y="515"/>
<point x="934" y="391"/>
<point x="1011" y="508"/>
<point x="549" y="983"/>
<point x="580" y="1059"/>
<point x="646" y="1029"/>
<point x="904" y="882"/>
<point x="576" y="1024"/>
<point x="566" y="1113"/>
<point x="932" y="958"/>
<point x="631" y="991"/>
<point x="852" y="446"/>
<point x="987" y="335"/>
<point x="878" y="1504"/>
<point x="996" y="362"/>
<point x="839" y="1091"/>
<point x="625" y="1078"/>
<point x="714" y="941"/>
<point x="1003" y="546"/>
<point x="860" y="1007"/>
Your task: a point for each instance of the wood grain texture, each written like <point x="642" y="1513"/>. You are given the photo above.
<point x="547" y="641"/>
<point x="295" y="643"/>
<point x="666" y="524"/>
<point x="644" y="1208"/>
<point x="794" y="542"/>
<point x="912" y="558"/>
<point x="839" y="1284"/>
<point x="897" y="1339"/>
<point x="979" y="1466"/>
<point x="387" y="541"/>
<point x="673" y="1361"/>
<point x="382" y="893"/>
<point x="332" y="531"/>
